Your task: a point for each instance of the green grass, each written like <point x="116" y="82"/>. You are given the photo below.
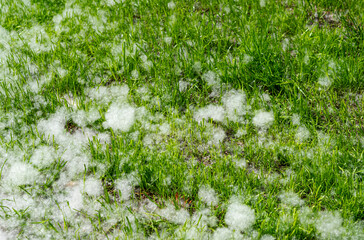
<point x="64" y="67"/>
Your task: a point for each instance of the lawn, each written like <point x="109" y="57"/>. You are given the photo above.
<point x="160" y="119"/>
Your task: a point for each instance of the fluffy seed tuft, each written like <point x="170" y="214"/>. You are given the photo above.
<point x="239" y="217"/>
<point x="263" y="119"/>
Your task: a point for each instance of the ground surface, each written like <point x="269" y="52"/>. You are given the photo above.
<point x="181" y="120"/>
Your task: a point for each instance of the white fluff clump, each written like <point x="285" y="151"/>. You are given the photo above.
<point x="74" y="198"/>
<point x="104" y="95"/>
<point x="3" y="235"/>
<point x="22" y="173"/>
<point x="266" y="97"/>
<point x="168" y="40"/>
<point x="241" y="132"/>
<point x="43" y="156"/>
<point x="76" y="161"/>
<point x="181" y="216"/>
<point x="267" y="237"/>
<point x="183" y="85"/>
<point x="120" y="117"/>
<point x="120" y="93"/>
<point x="218" y="135"/>
<point x="125" y="187"/>
<point x="302" y="134"/>
<point x="222" y="233"/>
<point x="239" y="217"/>
<point x="208" y="195"/>
<point x="80" y="118"/>
<point x="329" y="225"/>
<point x="262" y="3"/>
<point x="291" y="199"/>
<point x="240" y="163"/>
<point x="146" y="64"/>
<point x="191" y="233"/>
<point x="176" y="216"/>
<point x="100" y="94"/>
<point x="324" y="82"/>
<point x="111" y="2"/>
<point x="211" y="78"/>
<point x="247" y="59"/>
<point x="93" y="187"/>
<point x="171" y="5"/>
<point x="197" y="67"/>
<point x="214" y="112"/>
<point x="165" y="129"/>
<point x="147" y="206"/>
<point x="306" y="216"/>
<point x="54" y="126"/>
<point x="204" y="218"/>
<point x="263" y="119"/>
<point x="234" y="103"/>
<point x="295" y="119"/>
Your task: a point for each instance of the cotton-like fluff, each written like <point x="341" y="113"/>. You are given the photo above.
<point x="211" y="78"/>
<point x="183" y="85"/>
<point x="74" y="198"/>
<point x="176" y="216"/>
<point x="267" y="237"/>
<point x="214" y="112"/>
<point x="171" y="5"/>
<point x="240" y="133"/>
<point x="54" y="126"/>
<point x="165" y="128"/>
<point x="120" y="117"/>
<point x="196" y="66"/>
<point x="119" y="92"/>
<point x="192" y="233"/>
<point x="76" y="161"/>
<point x="295" y="119"/>
<point x="240" y="163"/>
<point x="3" y="235"/>
<point x="93" y="115"/>
<point x="266" y="97"/>
<point x="262" y="3"/>
<point x="100" y="94"/>
<point x="247" y="59"/>
<point x="21" y="173"/>
<point x="125" y="187"/>
<point x="291" y="199"/>
<point x="329" y="225"/>
<point x="234" y="103"/>
<point x="104" y="95"/>
<point x="218" y="135"/>
<point x="263" y="119"/>
<point x="146" y="64"/>
<point x="80" y="118"/>
<point x="5" y="37"/>
<point x="302" y="134"/>
<point x="181" y="216"/>
<point x="135" y="74"/>
<point x="222" y="234"/>
<point x="239" y="217"/>
<point x="93" y="187"/>
<point x="208" y="195"/>
<point x="168" y="40"/>
<point x="43" y="156"/>
<point x="306" y="216"/>
<point x="147" y="207"/>
<point x="324" y="82"/>
<point x="203" y="218"/>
